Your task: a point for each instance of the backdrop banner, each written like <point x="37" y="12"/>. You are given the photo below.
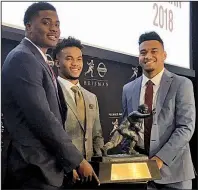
<point x="106" y="79"/>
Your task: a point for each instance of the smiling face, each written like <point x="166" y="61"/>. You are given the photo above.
<point x="44" y="29"/>
<point x="151" y="57"/>
<point x="71" y="63"/>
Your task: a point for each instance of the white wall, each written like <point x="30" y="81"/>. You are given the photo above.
<point x="118" y="25"/>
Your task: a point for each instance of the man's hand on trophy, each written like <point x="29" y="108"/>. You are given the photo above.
<point x="75" y="176"/>
<point x="86" y="172"/>
<point x="158" y="161"/>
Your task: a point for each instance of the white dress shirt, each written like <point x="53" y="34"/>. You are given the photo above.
<point x="156" y="81"/>
<point x="43" y="55"/>
<point x="68" y="85"/>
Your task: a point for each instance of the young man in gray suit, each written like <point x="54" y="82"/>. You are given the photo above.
<point x="82" y="117"/>
<point x="40" y="150"/>
<point x="165" y="137"/>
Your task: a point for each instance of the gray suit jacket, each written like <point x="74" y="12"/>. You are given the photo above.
<point x="88" y="137"/>
<point x="173" y="124"/>
<point x="41" y="149"/>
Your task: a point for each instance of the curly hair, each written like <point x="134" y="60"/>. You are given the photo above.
<point x="67" y="42"/>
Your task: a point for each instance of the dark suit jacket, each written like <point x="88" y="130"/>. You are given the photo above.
<point x="40" y="146"/>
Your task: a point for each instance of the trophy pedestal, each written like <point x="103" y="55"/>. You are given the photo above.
<point x="117" y="171"/>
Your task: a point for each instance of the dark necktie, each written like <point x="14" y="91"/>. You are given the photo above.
<point x="79" y="103"/>
<point x="148" y="121"/>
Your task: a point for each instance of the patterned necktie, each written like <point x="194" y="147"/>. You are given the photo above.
<point x="80" y="105"/>
<point x="53" y="75"/>
<point x="148" y="121"/>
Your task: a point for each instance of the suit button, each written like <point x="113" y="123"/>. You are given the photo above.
<point x="85" y="139"/>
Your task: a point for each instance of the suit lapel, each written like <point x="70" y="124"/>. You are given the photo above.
<point x="87" y="101"/>
<point x="37" y="54"/>
<point x="70" y="102"/>
<point x="165" y="83"/>
<point x="41" y="60"/>
<point x="62" y="103"/>
<point x="136" y="93"/>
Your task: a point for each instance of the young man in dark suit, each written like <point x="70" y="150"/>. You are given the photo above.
<point x="41" y="151"/>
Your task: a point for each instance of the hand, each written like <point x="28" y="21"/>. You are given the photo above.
<point x="158" y="160"/>
<point x="86" y="171"/>
<point x="75" y="176"/>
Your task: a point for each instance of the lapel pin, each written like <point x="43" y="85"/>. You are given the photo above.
<point x="91" y="106"/>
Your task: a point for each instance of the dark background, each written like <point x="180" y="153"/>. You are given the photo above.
<point x="115" y="70"/>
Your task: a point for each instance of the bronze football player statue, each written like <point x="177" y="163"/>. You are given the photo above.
<point x="129" y="129"/>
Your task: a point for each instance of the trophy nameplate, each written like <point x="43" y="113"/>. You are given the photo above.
<point x="125" y="169"/>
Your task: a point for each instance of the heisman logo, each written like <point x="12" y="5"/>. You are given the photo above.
<point x="135" y="73"/>
<point x="90" y="69"/>
<point x="102" y="70"/>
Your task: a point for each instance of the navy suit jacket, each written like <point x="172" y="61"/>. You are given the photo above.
<point x="41" y="148"/>
<point x="173" y="124"/>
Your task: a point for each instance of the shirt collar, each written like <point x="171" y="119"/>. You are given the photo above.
<point x="156" y="79"/>
<point x="67" y="83"/>
<point x="43" y="55"/>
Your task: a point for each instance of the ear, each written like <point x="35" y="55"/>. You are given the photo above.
<point x="56" y="63"/>
<point x="165" y="55"/>
<point x="28" y="27"/>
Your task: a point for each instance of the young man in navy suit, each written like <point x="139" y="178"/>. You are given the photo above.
<point x="41" y="150"/>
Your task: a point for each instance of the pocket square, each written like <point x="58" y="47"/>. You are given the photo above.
<point x="91" y="106"/>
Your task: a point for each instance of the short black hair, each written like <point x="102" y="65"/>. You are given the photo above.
<point x="150" y="36"/>
<point x="33" y="10"/>
<point x="67" y="42"/>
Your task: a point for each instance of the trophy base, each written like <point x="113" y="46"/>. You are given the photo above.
<point x="124" y="168"/>
<point x="119" y="158"/>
